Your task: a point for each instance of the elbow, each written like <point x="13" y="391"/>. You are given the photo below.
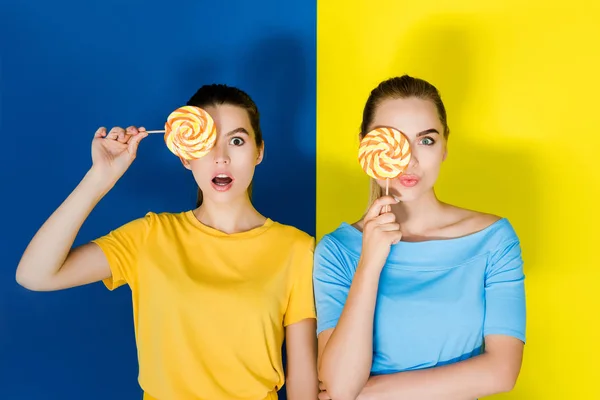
<point x="506" y="383"/>
<point x="23" y="281"/>
<point x="340" y="380"/>
<point x="337" y="388"/>
<point x="504" y="364"/>
<point x="27" y="281"/>
<point x="21" y="278"/>
<point x="339" y="392"/>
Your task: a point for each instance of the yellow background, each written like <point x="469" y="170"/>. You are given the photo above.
<point x="521" y="82"/>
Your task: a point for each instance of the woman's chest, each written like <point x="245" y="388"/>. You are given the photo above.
<point x="210" y="281"/>
<point x="429" y="314"/>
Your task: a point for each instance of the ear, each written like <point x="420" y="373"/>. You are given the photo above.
<point x="445" y="154"/>
<point x="261" y="153"/>
<point x="186" y="164"/>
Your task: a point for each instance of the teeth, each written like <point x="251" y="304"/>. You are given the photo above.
<point x="222" y="176"/>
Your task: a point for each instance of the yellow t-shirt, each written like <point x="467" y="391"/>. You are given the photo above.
<point x="210" y="308"/>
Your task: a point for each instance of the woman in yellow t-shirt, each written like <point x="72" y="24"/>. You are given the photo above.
<point x="216" y="289"/>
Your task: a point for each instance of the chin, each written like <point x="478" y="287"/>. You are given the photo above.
<point x="407" y="197"/>
<point x="223" y="193"/>
<point x="407" y="194"/>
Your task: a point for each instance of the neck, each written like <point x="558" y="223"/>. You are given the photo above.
<point x="417" y="216"/>
<point x="231" y="217"/>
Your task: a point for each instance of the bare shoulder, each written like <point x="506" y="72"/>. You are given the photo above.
<point x="466" y="221"/>
<point x="359" y="225"/>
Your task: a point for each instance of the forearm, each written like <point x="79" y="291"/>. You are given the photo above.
<point x="346" y="361"/>
<point x="466" y="380"/>
<point x="303" y="388"/>
<point x="50" y="246"/>
<point x="302" y="382"/>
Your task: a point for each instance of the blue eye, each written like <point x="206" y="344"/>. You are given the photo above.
<point x="427" y="141"/>
<point x="236" y="141"/>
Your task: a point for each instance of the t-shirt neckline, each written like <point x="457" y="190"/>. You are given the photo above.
<point x="217" y="233"/>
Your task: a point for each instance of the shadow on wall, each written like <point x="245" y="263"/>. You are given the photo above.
<point x="276" y="72"/>
<point x="476" y="174"/>
<point x="281" y="76"/>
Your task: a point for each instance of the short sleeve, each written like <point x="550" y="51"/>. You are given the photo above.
<point x="505" y="312"/>
<point x="331" y="284"/>
<point x="121" y="248"/>
<point x="301" y="304"/>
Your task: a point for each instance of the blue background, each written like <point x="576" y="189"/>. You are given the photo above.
<point x="68" y="67"/>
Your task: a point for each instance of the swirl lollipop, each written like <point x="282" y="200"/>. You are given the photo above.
<point x="384" y="153"/>
<point x="190" y="133"/>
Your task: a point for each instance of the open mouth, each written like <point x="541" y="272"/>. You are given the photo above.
<point x="222" y="180"/>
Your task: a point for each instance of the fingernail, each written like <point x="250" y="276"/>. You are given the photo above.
<point x="396" y="198"/>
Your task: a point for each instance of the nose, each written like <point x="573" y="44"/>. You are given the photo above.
<point x="414" y="160"/>
<point x="221" y="156"/>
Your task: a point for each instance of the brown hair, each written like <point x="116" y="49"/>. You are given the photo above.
<point x="218" y="94"/>
<point x="400" y="87"/>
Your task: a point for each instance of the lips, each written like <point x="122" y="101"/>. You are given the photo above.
<point x="408" y="180"/>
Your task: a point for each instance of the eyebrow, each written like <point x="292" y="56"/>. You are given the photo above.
<point x="237" y="130"/>
<point x="427" y="131"/>
<point x="422" y="133"/>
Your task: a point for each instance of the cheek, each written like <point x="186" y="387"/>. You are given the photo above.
<point x="201" y="168"/>
<point x="430" y="159"/>
<point x="244" y="157"/>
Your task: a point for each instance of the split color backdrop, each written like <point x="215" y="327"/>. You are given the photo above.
<point x="519" y="80"/>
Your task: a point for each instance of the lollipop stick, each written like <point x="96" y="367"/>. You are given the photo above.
<point x="155" y="131"/>
<point x="387" y="192"/>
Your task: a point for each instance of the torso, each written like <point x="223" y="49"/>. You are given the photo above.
<point x="430" y="307"/>
<point x="210" y="307"/>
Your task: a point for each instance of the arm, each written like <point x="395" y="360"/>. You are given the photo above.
<point x="49" y="262"/>
<point x="301" y="346"/>
<point x="345" y="352"/>
<point x="300" y="326"/>
<point x="495" y="371"/>
<point x="346" y="305"/>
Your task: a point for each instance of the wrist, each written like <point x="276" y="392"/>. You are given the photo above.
<point x="97" y="182"/>
<point x="370" y="266"/>
<point x="368" y="270"/>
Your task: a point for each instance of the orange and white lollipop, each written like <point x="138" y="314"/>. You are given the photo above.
<point x="384" y="153"/>
<point x="190" y="132"/>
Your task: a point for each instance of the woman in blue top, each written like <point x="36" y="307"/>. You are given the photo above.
<point x="407" y="299"/>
